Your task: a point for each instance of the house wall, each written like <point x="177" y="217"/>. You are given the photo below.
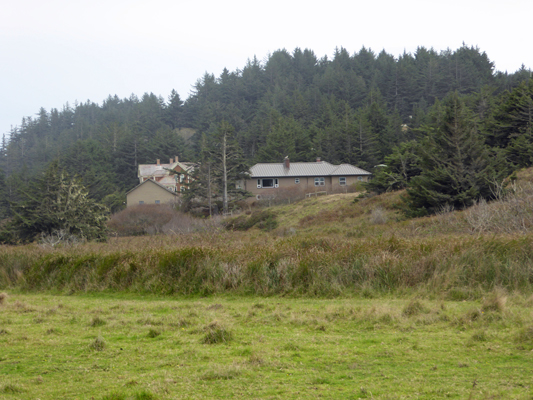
<point x="306" y="185"/>
<point x="149" y="193"/>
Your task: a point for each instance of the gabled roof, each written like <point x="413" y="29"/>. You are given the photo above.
<point x="155" y="183"/>
<point x="320" y="168"/>
<point x="162" y="169"/>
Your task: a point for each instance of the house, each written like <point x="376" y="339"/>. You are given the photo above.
<point x="270" y="179"/>
<point x="150" y="192"/>
<point x="176" y="181"/>
<point x="160" y="183"/>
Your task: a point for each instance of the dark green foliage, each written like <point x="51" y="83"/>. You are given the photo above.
<point x="57" y="203"/>
<point x="399" y="168"/>
<point x="457" y="168"/>
<point x="512" y="126"/>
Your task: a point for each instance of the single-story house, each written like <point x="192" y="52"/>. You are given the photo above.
<point x="269" y="179"/>
<point x="161" y="173"/>
<point x="150" y="192"/>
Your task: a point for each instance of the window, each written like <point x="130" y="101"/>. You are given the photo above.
<point x="141" y="202"/>
<point x="296" y="180"/>
<point x="157" y="202"/>
<point x="320" y="181"/>
<point x="267" y="183"/>
<point x="359" y="178"/>
<point x="342" y="181"/>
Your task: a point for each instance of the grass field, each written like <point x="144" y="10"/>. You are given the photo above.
<point x="134" y="347"/>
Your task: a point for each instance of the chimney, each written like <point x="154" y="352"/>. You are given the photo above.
<point x="171" y="161"/>
<point x="176" y="159"/>
<point x="158" y="161"/>
<point x="318" y="159"/>
<point x="287" y="162"/>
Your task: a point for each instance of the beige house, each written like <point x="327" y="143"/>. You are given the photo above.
<point x="150" y="192"/>
<point x="270" y="180"/>
<point x="176" y="181"/>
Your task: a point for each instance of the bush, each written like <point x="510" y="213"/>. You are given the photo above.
<point x="151" y="219"/>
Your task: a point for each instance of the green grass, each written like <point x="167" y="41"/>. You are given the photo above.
<point x="276" y="348"/>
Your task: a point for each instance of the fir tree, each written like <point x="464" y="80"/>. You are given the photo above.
<point x="456" y="167"/>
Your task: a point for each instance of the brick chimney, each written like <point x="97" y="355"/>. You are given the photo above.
<point x="176" y="159"/>
<point x="286" y="162"/>
<point x="318" y="159"/>
<point x="158" y="161"/>
<point x="171" y="161"/>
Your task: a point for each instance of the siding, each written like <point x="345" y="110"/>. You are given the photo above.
<point x="149" y="192"/>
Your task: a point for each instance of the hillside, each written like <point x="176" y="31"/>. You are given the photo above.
<point x="353" y="108"/>
<point x="325" y="246"/>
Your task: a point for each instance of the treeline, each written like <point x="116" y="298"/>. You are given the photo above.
<point x="355" y="108"/>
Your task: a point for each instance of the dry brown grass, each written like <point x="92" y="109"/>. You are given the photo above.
<point x="152" y="219"/>
<point x="3" y="297"/>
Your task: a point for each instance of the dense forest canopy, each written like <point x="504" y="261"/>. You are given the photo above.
<point x="355" y="108"/>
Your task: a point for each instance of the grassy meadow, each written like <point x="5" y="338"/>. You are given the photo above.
<point x="337" y="296"/>
<point x="135" y="347"/>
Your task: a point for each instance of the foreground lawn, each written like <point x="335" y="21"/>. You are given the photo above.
<point x="115" y="347"/>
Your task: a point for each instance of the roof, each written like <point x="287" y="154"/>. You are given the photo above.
<point x="162" y="169"/>
<point x="155" y="183"/>
<point x="320" y="168"/>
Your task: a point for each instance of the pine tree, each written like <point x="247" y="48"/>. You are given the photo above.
<point x="57" y="202"/>
<point x="456" y="167"/>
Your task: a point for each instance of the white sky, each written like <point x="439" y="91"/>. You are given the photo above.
<point x="58" y="51"/>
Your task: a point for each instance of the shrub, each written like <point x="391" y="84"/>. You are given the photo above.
<point x="150" y="219"/>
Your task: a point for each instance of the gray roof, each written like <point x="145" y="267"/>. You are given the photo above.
<point x="320" y="168"/>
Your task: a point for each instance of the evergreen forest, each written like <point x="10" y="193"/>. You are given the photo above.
<point x="413" y="115"/>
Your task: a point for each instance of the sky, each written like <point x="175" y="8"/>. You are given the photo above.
<point x="56" y="52"/>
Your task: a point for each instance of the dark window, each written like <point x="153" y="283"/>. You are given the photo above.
<point x="268" y="183"/>
<point x="320" y="181"/>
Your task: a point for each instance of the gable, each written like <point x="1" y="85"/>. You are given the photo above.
<point x="150" y="185"/>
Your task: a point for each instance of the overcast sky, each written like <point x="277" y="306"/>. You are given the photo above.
<point x="58" y="51"/>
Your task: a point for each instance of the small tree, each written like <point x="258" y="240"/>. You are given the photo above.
<point x="57" y="202"/>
